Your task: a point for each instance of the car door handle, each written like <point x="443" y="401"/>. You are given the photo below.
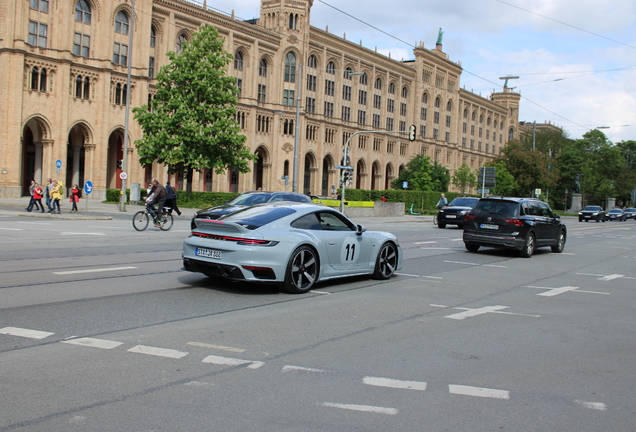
<point x="331" y="242"/>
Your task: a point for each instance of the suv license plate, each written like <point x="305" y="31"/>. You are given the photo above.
<point x="451" y="216"/>
<point x="208" y="253"/>
<point x="489" y="226"/>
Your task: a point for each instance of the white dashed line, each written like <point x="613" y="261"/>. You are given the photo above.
<point x="393" y="383"/>
<point x="363" y="408"/>
<point x="12" y="229"/>
<point x="93" y="270"/>
<point x="159" y="352"/>
<point x="290" y="368"/>
<point x="551" y="292"/>
<point x="478" y="391"/>
<point x="592" y="405"/>
<point x="82" y="233"/>
<point x="92" y="342"/>
<point x="228" y="361"/>
<point x="219" y="347"/>
<point x="21" y="332"/>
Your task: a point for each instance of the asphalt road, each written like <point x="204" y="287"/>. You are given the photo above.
<point x="100" y="330"/>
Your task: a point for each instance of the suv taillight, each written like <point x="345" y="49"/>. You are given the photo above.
<point x="515" y="222"/>
<point x="469" y="217"/>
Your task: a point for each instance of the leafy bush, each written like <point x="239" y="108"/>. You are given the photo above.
<point x="194" y="200"/>
<point x="425" y="201"/>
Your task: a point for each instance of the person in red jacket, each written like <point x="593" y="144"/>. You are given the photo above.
<point x="38" y="193"/>
<point x="75" y="193"/>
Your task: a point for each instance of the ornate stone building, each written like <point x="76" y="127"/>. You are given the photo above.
<point x="64" y="65"/>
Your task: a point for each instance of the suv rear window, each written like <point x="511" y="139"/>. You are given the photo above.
<point x="502" y="208"/>
<point x="464" y="202"/>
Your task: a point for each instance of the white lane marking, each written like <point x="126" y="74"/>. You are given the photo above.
<point x="457" y="239"/>
<point x="469" y="313"/>
<point x="478" y="391"/>
<point x="92" y="342"/>
<point x="433" y="277"/>
<point x="82" y="233"/>
<point x="320" y="292"/>
<point x="494" y="265"/>
<point x="567" y="253"/>
<point x="551" y="292"/>
<point x="36" y="223"/>
<point x="393" y="383"/>
<point x="232" y="361"/>
<point x="219" y="347"/>
<point x="22" y="332"/>
<point x="160" y="352"/>
<point x="611" y="277"/>
<point x="435" y="248"/>
<point x="363" y="408"/>
<point x="439" y="306"/>
<point x="198" y="384"/>
<point x="426" y="242"/>
<point x="460" y="262"/>
<point x="12" y="229"/>
<point x="406" y="274"/>
<point x="93" y="270"/>
<point x="290" y="368"/>
<point x="100" y="226"/>
<point x="607" y="277"/>
<point x="592" y="405"/>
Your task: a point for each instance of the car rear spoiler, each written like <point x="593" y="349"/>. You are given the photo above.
<point x="218" y="227"/>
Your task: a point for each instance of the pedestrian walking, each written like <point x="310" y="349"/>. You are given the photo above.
<point x="47" y="193"/>
<point x="443" y="202"/>
<point x="56" y="196"/>
<point x="32" y="201"/>
<point x="37" y="196"/>
<point x="171" y="199"/>
<point x="75" y="197"/>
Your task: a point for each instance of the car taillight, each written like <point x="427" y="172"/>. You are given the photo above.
<point x="469" y="217"/>
<point x="238" y="240"/>
<point x="515" y="222"/>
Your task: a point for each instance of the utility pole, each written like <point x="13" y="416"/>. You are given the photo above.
<point x="122" y="197"/>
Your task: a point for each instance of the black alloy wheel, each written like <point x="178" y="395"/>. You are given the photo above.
<point x="560" y="243"/>
<point x="387" y="261"/>
<point x="302" y="271"/>
<point x="528" y="248"/>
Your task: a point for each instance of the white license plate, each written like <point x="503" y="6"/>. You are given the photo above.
<point x="489" y="226"/>
<point x="451" y="216"/>
<point x="208" y="253"/>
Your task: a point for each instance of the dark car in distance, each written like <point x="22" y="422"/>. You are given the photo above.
<point x="592" y="213"/>
<point x="630" y="213"/>
<point x="248" y="199"/>
<point x="454" y="213"/>
<point x="617" y="215"/>
<point x="521" y="224"/>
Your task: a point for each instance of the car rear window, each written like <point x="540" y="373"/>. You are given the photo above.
<point x="464" y="202"/>
<point x="500" y="208"/>
<point x="251" y="199"/>
<point x="256" y="217"/>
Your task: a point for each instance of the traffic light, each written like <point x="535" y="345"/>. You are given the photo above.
<point x="120" y="164"/>
<point x="346" y="178"/>
<point x="412" y="133"/>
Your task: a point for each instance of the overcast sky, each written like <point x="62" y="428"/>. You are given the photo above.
<point x="576" y="59"/>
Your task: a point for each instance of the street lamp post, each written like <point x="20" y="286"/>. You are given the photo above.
<point x="122" y="198"/>
<point x="297" y="131"/>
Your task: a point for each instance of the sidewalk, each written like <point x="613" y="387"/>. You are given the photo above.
<point x="106" y="211"/>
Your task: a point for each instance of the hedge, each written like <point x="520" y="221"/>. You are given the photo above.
<point x="194" y="200"/>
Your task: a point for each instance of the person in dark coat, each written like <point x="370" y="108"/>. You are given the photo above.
<point x="171" y="200"/>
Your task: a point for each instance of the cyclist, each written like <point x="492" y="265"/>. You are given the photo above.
<point x="157" y="196"/>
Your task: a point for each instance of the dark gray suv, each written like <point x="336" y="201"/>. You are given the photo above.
<point x="522" y="224"/>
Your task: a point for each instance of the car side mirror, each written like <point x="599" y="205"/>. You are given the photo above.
<point x="556" y="216"/>
<point x="360" y="229"/>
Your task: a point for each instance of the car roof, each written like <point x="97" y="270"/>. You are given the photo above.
<point x="514" y="199"/>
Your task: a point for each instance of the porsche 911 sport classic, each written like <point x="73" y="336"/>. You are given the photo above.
<point x="290" y="243"/>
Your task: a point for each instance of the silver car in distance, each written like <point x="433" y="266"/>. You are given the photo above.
<point x="290" y="243"/>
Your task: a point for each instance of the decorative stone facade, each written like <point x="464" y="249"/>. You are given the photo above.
<point x="64" y="92"/>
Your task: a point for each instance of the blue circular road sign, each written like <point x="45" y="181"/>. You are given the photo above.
<point x="58" y="164"/>
<point x="88" y="187"/>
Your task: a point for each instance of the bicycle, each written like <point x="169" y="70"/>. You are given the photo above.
<point x="143" y="217"/>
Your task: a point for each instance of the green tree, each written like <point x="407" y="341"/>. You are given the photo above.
<point x="464" y="178"/>
<point x="190" y="123"/>
<point x="440" y="176"/>
<point x="531" y="169"/>
<point x="418" y="174"/>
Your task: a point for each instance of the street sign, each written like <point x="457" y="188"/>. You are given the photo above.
<point x="405" y="185"/>
<point x="346" y="160"/>
<point x="347" y="167"/>
<point x="123" y="175"/>
<point x="487" y="177"/>
<point x="88" y="187"/>
<point x="58" y="164"/>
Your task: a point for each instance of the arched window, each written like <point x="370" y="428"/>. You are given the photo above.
<point x="87" y="88"/>
<point x="449" y="106"/>
<point x="481" y="119"/>
<point x="121" y="23"/>
<point x="331" y="68"/>
<point x="35" y="78"/>
<point x="405" y="92"/>
<point x="43" y="80"/>
<point x="78" y="86"/>
<point x="181" y="41"/>
<point x="290" y="67"/>
<point x="153" y="37"/>
<point x="378" y="84"/>
<point x="438" y="102"/>
<point x="363" y="79"/>
<point x="465" y="114"/>
<point x="347" y="73"/>
<point x="262" y="68"/>
<point x="488" y="121"/>
<point x="511" y="134"/>
<point x="495" y="124"/>
<point x="425" y="98"/>
<point x="472" y="117"/>
<point x="124" y="94"/>
<point x="238" y="61"/>
<point x="83" y="12"/>
<point x="118" y="94"/>
<point x="312" y="62"/>
<point x="293" y="21"/>
<point x="392" y="88"/>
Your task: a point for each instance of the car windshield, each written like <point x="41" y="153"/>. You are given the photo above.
<point x="256" y="217"/>
<point x="250" y="199"/>
<point x="464" y="202"/>
<point x="592" y="208"/>
<point x="616" y="211"/>
<point x="503" y="208"/>
<point x="630" y="210"/>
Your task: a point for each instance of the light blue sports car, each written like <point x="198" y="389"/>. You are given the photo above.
<point x="292" y="243"/>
